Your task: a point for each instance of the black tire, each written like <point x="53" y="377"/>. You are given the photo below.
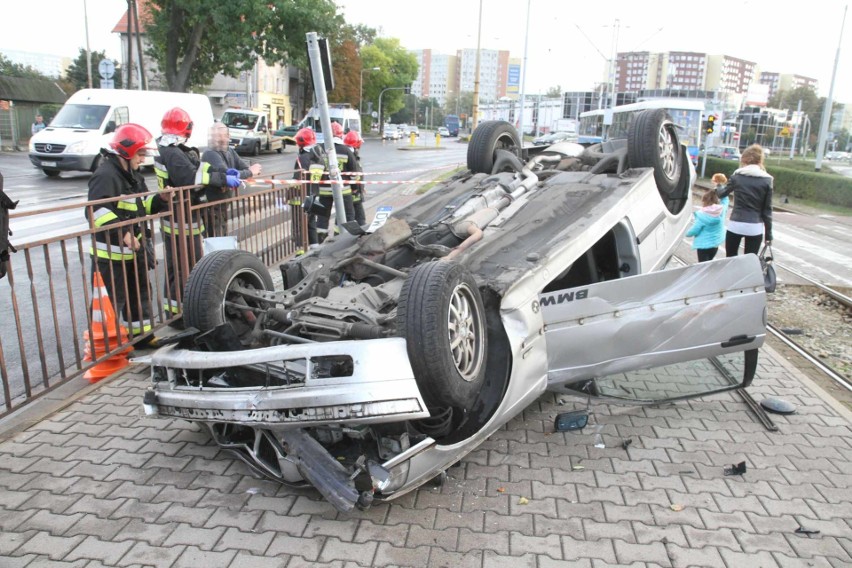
<point x="441" y="315"/>
<point x="652" y="142"/>
<point x="281" y="149"/>
<point x="256" y="150"/>
<point x="50" y="172"/>
<point x="210" y="284"/>
<point x="489" y="137"/>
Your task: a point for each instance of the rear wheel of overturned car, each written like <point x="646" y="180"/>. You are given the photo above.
<point x="652" y="142"/>
<point x="489" y="137"/>
<point x="219" y="291"/>
<point x="442" y="317"/>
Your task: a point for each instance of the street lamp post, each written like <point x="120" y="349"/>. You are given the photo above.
<point x="361" y="89"/>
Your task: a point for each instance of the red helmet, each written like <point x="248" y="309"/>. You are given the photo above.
<point x="305" y="137"/>
<point x="128" y="139"/>
<point x="337" y="130"/>
<point x="177" y="121"/>
<point x="353" y="139"/>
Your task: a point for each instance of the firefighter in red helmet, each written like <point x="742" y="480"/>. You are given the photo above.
<point x="346" y="163"/>
<point x="354" y="141"/>
<point x="179" y="165"/>
<point x="310" y="163"/>
<point x="123" y="254"/>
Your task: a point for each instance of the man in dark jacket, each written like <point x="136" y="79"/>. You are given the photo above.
<point x="310" y="165"/>
<point x="221" y="155"/>
<point x="179" y="165"/>
<point x="120" y="254"/>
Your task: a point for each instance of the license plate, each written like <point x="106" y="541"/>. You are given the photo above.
<point x="48" y="164"/>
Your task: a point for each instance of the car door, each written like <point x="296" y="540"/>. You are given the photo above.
<point x="600" y="331"/>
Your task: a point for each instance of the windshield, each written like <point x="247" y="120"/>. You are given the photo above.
<point x="239" y="120"/>
<point x="89" y="117"/>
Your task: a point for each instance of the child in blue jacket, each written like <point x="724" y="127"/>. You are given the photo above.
<point x="708" y="226"/>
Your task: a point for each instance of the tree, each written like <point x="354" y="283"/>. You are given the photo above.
<point x="10" y="69"/>
<point x="554" y="92"/>
<point x="398" y="68"/>
<point x="77" y="74"/>
<point x="346" y="59"/>
<point x="193" y="40"/>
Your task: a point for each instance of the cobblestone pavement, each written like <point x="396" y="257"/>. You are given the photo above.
<point x="99" y="484"/>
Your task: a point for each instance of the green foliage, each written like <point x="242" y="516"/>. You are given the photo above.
<point x="554" y="92"/>
<point x="9" y="69"/>
<point x="193" y="40"/>
<point x="398" y="68"/>
<point x="814" y="186"/>
<point x="78" y="73"/>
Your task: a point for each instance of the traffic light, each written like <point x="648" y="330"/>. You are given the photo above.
<point x="710" y="124"/>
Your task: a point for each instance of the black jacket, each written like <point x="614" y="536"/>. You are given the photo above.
<point x="112" y="180"/>
<point x="224" y="159"/>
<point x="179" y="165"/>
<point x="752" y="189"/>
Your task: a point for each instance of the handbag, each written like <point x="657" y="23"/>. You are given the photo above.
<point x="769" y="280"/>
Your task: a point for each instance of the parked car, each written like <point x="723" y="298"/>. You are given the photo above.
<point x="392" y="353"/>
<point x="838" y="156"/>
<point x="724" y="152"/>
<point x="553" y="138"/>
<point x="391" y="132"/>
<point x="412" y="129"/>
<point x="444" y="131"/>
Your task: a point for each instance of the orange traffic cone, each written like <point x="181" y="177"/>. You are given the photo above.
<point x="103" y="334"/>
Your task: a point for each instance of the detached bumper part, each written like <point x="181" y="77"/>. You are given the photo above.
<point x="381" y="387"/>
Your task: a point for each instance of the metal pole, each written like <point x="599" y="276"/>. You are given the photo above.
<point x="826" y="111"/>
<point x="325" y="121"/>
<point x="88" y="51"/>
<point x="796" y="129"/>
<point x="475" y="110"/>
<point x="524" y="72"/>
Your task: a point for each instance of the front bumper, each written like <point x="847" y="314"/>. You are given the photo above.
<point x="62" y="162"/>
<point x="380" y="388"/>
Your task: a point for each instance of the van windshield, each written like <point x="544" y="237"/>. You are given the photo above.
<point x="239" y="120"/>
<point x="89" y="117"/>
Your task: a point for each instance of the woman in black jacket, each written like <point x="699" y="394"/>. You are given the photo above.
<point x="751" y="218"/>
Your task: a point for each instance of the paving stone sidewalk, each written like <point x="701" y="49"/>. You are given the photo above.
<point x="98" y="484"/>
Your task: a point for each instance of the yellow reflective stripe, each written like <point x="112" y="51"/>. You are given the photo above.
<point x="171" y="306"/>
<point x="316" y="171"/>
<point x="139" y="327"/>
<point x="110" y="255"/>
<point x="202" y="174"/>
<point x="162" y="175"/>
<point x="104" y="216"/>
<point x="128" y="204"/>
<point x="148" y="203"/>
<point x="194" y="229"/>
<point x="346" y="191"/>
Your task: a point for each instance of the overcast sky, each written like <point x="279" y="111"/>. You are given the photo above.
<point x="568" y="40"/>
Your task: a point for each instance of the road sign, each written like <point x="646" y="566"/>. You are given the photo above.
<point x="106" y="68"/>
<point x="736" y="136"/>
<point x="785" y="132"/>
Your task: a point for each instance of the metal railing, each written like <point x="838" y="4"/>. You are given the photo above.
<point x="46" y="296"/>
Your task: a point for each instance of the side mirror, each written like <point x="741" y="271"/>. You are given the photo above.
<point x="574" y="420"/>
<point x="110" y="127"/>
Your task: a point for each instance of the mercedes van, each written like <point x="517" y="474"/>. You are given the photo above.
<point x="338" y="112"/>
<point x="73" y="139"/>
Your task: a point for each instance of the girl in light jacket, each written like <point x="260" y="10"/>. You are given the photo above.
<point x="708" y="226"/>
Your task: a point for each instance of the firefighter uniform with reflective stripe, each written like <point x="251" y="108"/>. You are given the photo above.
<point x="358" y="193"/>
<point x="179" y="165"/>
<point x="124" y="271"/>
<point x="347" y="165"/>
<point x="310" y="163"/>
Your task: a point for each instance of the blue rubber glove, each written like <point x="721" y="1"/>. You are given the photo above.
<point x="233" y="181"/>
<point x="232" y="172"/>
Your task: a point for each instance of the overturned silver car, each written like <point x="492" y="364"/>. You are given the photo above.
<point x="393" y="353"/>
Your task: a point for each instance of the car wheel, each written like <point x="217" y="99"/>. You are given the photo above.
<point x="255" y="151"/>
<point x="212" y="295"/>
<point x="50" y="172"/>
<point x="489" y="137"/>
<point x="441" y="315"/>
<point x="652" y="142"/>
<point x="505" y="161"/>
<point x="281" y="149"/>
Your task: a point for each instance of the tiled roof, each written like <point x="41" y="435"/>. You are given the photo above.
<point x="144" y="11"/>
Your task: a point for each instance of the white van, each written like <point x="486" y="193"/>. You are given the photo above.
<point x="73" y="139"/>
<point x="342" y="113"/>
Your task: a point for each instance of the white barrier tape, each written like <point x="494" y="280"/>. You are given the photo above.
<point x="256" y="181"/>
